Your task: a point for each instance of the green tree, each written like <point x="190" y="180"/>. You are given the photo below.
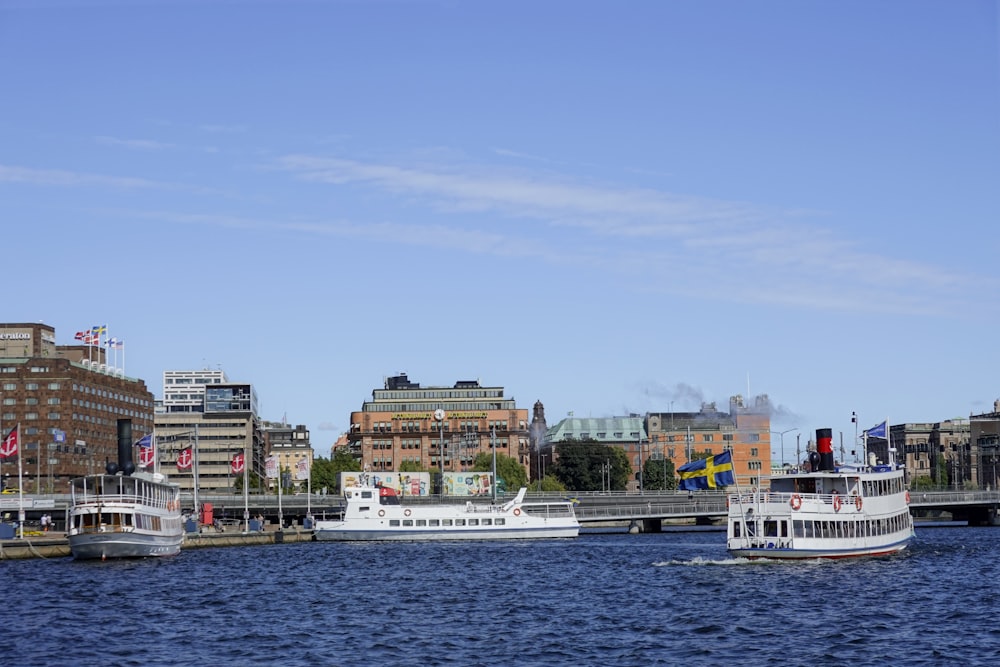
<point x="325" y="473"/>
<point x="552" y="484"/>
<point x="509" y="471"/>
<point x="659" y="474"/>
<point x="582" y="465"/>
<point x="411" y="466"/>
<point x="922" y="483"/>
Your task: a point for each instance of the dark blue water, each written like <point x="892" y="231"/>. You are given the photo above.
<point x="603" y="599"/>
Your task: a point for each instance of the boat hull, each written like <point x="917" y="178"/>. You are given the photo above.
<point x="338" y="532"/>
<point x="124" y="545"/>
<point x="825" y="553"/>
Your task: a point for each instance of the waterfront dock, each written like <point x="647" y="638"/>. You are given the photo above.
<point x="56" y="545"/>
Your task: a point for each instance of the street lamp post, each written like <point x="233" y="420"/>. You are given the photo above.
<point x="781" y="434"/>
<point x="541" y="476"/>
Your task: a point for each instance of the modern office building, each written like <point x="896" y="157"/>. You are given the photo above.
<point x="217" y="420"/>
<point x="68" y="401"/>
<point x="437" y="427"/>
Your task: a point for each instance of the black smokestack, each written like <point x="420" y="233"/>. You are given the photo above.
<point x="824" y="446"/>
<point x="125" y="447"/>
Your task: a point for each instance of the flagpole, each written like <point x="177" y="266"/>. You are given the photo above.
<point x="246" y="489"/>
<point x="194" y="469"/>
<point x="20" y="485"/>
<point x="281" y="481"/>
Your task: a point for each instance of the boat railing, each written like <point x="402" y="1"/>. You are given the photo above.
<point x="785" y="497"/>
<point x="564" y="509"/>
<point x="102" y="499"/>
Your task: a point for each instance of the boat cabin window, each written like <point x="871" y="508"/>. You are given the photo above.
<point x="500" y="521"/>
<point x="407" y="522"/>
<point x="445" y="522"/>
<point x="473" y="522"/>
<point x="487" y="522"/>
<point x="393" y="522"/>
<point x="433" y="522"/>
<point x="459" y="522"/>
<point x="421" y="522"/>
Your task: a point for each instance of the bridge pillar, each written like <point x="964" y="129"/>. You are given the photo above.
<point x="644" y="526"/>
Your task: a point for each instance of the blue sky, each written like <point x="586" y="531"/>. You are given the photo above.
<point x="608" y="207"/>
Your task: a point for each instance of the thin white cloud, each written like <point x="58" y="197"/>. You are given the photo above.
<point x="747" y="252"/>
<point x="138" y="144"/>
<point x="58" y="177"/>
<point x="70" y="179"/>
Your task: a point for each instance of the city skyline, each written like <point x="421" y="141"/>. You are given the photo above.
<point x="612" y="210"/>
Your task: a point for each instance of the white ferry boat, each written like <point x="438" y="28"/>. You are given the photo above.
<point x="124" y="514"/>
<point x="829" y="512"/>
<point x="376" y="513"/>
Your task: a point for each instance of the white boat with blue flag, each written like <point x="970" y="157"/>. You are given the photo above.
<point x="829" y="511"/>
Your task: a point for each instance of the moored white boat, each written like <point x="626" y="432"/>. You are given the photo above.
<point x="829" y="512"/>
<point x="376" y="513"/>
<point x="124" y="514"/>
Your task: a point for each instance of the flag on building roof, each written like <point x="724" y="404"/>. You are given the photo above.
<point x="115" y="343"/>
<point x="10" y="443"/>
<point x="711" y="473"/>
<point x="99" y="329"/>
<point x="80" y="335"/>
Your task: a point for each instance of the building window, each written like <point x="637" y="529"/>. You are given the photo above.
<point x="31" y="386"/>
<point x="9" y="386"/>
<point x="31" y="415"/>
<point x="53" y="385"/>
<point x="9" y="401"/>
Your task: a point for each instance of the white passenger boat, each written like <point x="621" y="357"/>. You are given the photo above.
<point x="829" y="512"/>
<point x="124" y="514"/>
<point x="376" y="513"/>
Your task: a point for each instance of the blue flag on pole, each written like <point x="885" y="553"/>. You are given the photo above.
<point x="711" y="473"/>
<point x="877" y="431"/>
<point x="145" y="441"/>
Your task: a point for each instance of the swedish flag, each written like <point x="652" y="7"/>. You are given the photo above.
<point x="711" y="473"/>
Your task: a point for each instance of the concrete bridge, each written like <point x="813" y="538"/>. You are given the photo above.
<point x="644" y="512"/>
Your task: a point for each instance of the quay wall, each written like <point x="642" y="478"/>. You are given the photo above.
<point x="57" y="545"/>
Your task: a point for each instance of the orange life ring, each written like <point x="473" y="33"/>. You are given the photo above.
<point x="858" y="502"/>
<point x="907" y="497"/>
<point x="837" y="502"/>
<point x="796" y="501"/>
<point x="406" y="512"/>
<point x="382" y="512"/>
<point x="517" y="511"/>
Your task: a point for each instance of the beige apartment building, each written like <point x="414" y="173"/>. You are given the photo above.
<point x="437" y="427"/>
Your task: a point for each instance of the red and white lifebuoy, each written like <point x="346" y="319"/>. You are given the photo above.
<point x="406" y="512"/>
<point x="796" y="501"/>
<point x="836" y="502"/>
<point x="858" y="503"/>
<point x="381" y="512"/>
<point x="517" y="511"/>
<point x="907" y="497"/>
